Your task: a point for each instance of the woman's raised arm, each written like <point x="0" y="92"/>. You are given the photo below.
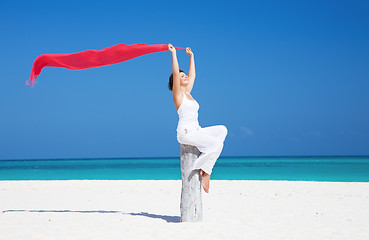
<point x="191" y="71"/>
<point x="176" y="82"/>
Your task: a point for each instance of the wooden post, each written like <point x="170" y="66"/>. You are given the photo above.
<point x="191" y="203"/>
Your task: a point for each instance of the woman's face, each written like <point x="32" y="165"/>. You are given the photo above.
<point x="183" y="78"/>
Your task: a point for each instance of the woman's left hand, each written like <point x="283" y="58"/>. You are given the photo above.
<point x="189" y="51"/>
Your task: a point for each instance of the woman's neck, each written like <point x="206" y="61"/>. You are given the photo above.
<point x="184" y="89"/>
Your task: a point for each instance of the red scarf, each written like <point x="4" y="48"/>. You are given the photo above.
<point x="93" y="58"/>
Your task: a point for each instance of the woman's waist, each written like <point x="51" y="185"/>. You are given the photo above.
<point x="188" y="122"/>
<point x="184" y="127"/>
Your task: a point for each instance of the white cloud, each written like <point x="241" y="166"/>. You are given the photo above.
<point x="247" y="131"/>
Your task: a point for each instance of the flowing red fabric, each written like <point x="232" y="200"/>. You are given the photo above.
<point x="93" y="58"/>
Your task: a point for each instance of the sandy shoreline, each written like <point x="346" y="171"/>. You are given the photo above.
<point x="150" y="210"/>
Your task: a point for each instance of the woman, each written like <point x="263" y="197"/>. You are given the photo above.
<point x="208" y="140"/>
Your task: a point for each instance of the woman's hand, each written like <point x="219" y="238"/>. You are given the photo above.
<point x="171" y="48"/>
<point x="189" y="51"/>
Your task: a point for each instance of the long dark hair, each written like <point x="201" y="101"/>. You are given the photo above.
<point x="170" y="84"/>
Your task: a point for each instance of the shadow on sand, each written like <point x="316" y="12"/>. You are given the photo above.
<point x="169" y="219"/>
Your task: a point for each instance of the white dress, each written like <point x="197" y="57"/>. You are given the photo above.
<point x="208" y="140"/>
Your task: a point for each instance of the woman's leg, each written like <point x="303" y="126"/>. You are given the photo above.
<point x="209" y="146"/>
<point x="209" y="141"/>
<point x="219" y="132"/>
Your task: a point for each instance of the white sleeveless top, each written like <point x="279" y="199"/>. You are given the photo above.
<point x="188" y="115"/>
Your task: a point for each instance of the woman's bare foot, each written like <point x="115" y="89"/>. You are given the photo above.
<point x="205" y="180"/>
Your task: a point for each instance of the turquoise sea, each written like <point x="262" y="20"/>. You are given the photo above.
<point x="340" y="169"/>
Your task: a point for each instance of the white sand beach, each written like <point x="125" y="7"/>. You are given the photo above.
<point x="150" y="210"/>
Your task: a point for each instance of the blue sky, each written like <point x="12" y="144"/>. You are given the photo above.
<point x="285" y="77"/>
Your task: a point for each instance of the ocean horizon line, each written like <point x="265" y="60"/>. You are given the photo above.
<point x="138" y="158"/>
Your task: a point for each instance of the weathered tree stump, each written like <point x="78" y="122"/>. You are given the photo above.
<point x="191" y="202"/>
